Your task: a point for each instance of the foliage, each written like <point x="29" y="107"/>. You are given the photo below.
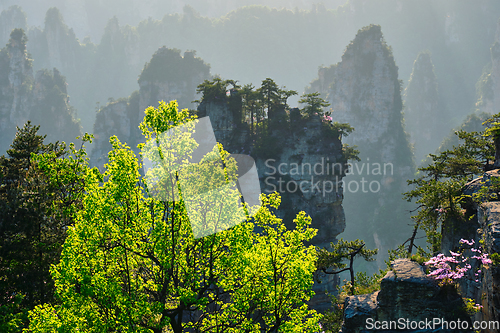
<point x="13" y="315"/>
<point x="438" y="189"/>
<point x="314" y="104"/>
<point x="343" y="251"/>
<point x="493" y="131"/>
<point x="495" y="259"/>
<point x="215" y="89"/>
<point x="131" y="262"/>
<point x="449" y="270"/>
<point x="40" y="189"/>
<point x="273" y="98"/>
<point x="471" y="307"/>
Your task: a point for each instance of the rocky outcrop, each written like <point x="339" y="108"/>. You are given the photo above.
<point x="302" y="159"/>
<point x="407" y="298"/>
<point x="489" y="215"/>
<point x="10" y="19"/>
<point x="481" y="224"/>
<point x="170" y="76"/>
<point x="43" y="99"/>
<point x="167" y="76"/>
<point x="17" y="79"/>
<point x="424" y="116"/>
<point x="364" y="91"/>
<point x="56" y="45"/>
<point x="116" y="118"/>
<point x="488" y="86"/>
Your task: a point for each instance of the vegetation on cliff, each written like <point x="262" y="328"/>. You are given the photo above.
<point x="439" y="188"/>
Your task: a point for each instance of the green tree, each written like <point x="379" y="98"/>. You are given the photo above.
<point x="493" y="131"/>
<point x="273" y="97"/>
<point x="333" y="261"/>
<point x="215" y="89"/>
<point x="314" y="104"/>
<point x="269" y="92"/>
<point x="251" y="105"/>
<point x="438" y="189"/>
<point x="132" y="261"/>
<point x="36" y="204"/>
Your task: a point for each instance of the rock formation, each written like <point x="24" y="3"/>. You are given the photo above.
<point x="170" y="76"/>
<point x="482" y="224"/>
<point x="43" y="99"/>
<point x="167" y="76"/>
<point x="488" y="86"/>
<point x="364" y="91"/>
<point x="302" y="146"/>
<point x="301" y="159"/>
<point x="424" y="116"/>
<point x="407" y="297"/>
<point x="10" y="19"/>
<point x="57" y="46"/>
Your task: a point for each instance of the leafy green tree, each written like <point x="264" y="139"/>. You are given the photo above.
<point x="314" y="104"/>
<point x="132" y="262"/>
<point x="39" y="190"/>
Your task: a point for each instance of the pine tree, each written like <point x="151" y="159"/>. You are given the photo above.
<point x="38" y="188"/>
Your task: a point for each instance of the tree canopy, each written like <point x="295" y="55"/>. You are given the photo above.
<point x="132" y="263"/>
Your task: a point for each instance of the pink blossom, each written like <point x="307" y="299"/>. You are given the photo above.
<point x="464" y="241"/>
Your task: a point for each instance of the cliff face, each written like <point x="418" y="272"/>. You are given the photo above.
<point x="17" y="79"/>
<point x="483" y="227"/>
<point x="424" y="116"/>
<point x="56" y="46"/>
<point x="170" y="76"/>
<point x="488" y="86"/>
<point x="167" y="76"/>
<point x="42" y="99"/>
<point x="406" y="297"/>
<point x="10" y="19"/>
<point x="301" y="159"/>
<point x="364" y="91"/>
<point x="117" y="118"/>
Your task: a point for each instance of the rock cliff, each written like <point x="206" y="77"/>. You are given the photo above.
<point x="488" y="86"/>
<point x="409" y="301"/>
<point x="423" y="113"/>
<point x="167" y="76"/>
<point x="483" y="226"/>
<point x="43" y="99"/>
<point x="302" y="159"/>
<point x="55" y="45"/>
<point x="364" y="91"/>
<point x="10" y="19"/>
